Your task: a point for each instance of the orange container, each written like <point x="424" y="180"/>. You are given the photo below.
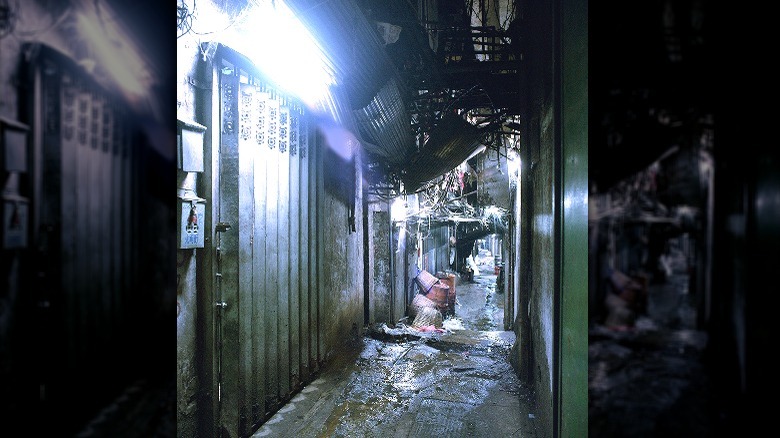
<point x="439" y="294"/>
<point x="449" y="280"/>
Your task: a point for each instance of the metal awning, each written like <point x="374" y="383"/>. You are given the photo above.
<point x="450" y="143"/>
<point x="385" y="123"/>
<point x="352" y="45"/>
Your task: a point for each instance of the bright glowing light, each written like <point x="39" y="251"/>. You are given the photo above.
<point x="491" y="211"/>
<point x="280" y="46"/>
<point x="121" y="62"/>
<point x="513" y="165"/>
<point x="398" y="210"/>
<point x="476" y="152"/>
<point x="340" y="139"/>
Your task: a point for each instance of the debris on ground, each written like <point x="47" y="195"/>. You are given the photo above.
<point x="453" y="324"/>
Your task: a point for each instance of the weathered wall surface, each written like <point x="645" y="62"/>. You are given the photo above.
<point x="343" y="270"/>
<point x="379" y="264"/>
<point x="553" y="193"/>
<point x="187" y="360"/>
<point x="404" y="259"/>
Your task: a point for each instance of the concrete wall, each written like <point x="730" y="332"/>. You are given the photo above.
<point x="342" y="269"/>
<point x="404" y="267"/>
<point x="551" y="327"/>
<point x="380" y="260"/>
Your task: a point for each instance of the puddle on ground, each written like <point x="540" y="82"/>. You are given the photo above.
<point x="445" y="378"/>
<point x="408" y="383"/>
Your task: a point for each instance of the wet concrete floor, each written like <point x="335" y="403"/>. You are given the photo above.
<point x="650" y="380"/>
<point x="399" y="382"/>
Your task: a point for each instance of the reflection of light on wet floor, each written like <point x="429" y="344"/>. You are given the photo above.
<point x="499" y="337"/>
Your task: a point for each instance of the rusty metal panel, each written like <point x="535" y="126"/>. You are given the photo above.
<point x="272" y="261"/>
<point x="228" y="259"/>
<point x="82" y="182"/>
<point x="304" y="260"/>
<point x="294" y="245"/>
<point x="283" y="215"/>
<point x="270" y="342"/>
<point x="259" y="118"/>
<point x="245" y="226"/>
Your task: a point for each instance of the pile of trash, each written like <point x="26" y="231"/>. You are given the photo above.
<point x="434" y="301"/>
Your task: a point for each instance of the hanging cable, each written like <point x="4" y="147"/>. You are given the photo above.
<point x="184" y="19"/>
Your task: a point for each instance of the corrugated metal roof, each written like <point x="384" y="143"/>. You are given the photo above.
<point x="450" y="143"/>
<point x="351" y="43"/>
<point x="377" y="95"/>
<point x="386" y="123"/>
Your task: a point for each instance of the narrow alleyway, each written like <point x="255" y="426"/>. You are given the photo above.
<point x="399" y="382"/>
<point x="650" y="379"/>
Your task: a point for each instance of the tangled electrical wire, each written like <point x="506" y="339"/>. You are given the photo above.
<point x="184" y="19"/>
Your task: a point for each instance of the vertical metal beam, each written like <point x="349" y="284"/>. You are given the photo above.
<point x="259" y="120"/>
<point x="320" y="186"/>
<point x="103" y="219"/>
<point x="114" y="183"/>
<point x="68" y="183"/>
<point x="129" y="202"/>
<point x="294" y="245"/>
<point x="305" y="242"/>
<point x="572" y="205"/>
<point x="92" y="193"/>
<point x="208" y="111"/>
<point x="283" y="220"/>
<point x="314" y="255"/>
<point x="245" y="228"/>
<point x="82" y="226"/>
<point x="228" y="255"/>
<point x="271" y="254"/>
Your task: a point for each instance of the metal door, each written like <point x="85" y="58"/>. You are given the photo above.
<point x="267" y="302"/>
<point x="84" y="233"/>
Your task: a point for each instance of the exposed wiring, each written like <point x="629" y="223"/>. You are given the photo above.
<point x="184" y="18"/>
<point x="240" y="16"/>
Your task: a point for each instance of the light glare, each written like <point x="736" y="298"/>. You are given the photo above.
<point x="280" y="46"/>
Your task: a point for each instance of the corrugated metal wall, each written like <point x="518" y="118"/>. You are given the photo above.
<point x="94" y="193"/>
<point x="269" y="328"/>
<point x="84" y="264"/>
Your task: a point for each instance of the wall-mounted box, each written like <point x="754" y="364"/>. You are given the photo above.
<point x="190" y="147"/>
<point x="13" y="145"/>
<point x="14" y="211"/>
<point x="192" y="230"/>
